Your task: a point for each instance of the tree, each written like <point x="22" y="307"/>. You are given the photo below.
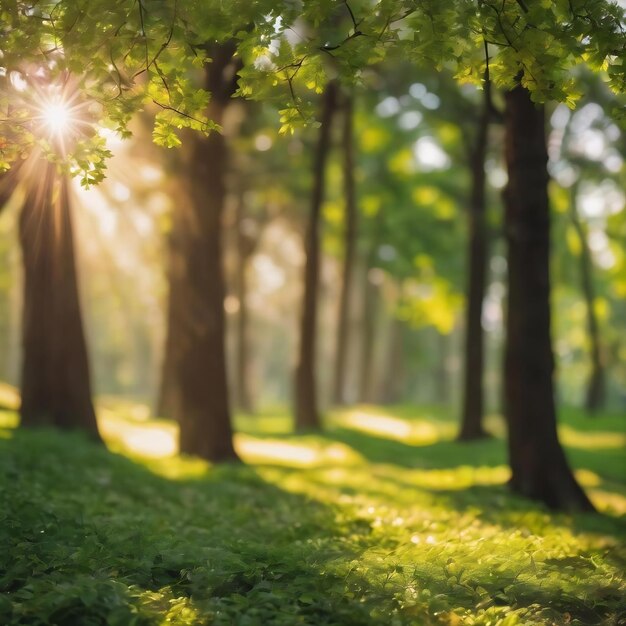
<point x="306" y="409"/>
<point x="196" y="304"/>
<point x="392" y="383"/>
<point x="8" y="362"/>
<point x="579" y="168"/>
<point x="369" y="311"/>
<point x="473" y="405"/>
<point x="409" y="199"/>
<point x="539" y="467"/>
<point x="596" y="387"/>
<point x="246" y="243"/>
<point x="536" y="45"/>
<point x="55" y="385"/>
<point x="168" y="400"/>
<point x="350" y="241"/>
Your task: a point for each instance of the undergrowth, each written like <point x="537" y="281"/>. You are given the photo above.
<point x="383" y="519"/>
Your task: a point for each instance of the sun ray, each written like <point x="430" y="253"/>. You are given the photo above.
<point x="60" y="115"/>
<point x="57" y="116"/>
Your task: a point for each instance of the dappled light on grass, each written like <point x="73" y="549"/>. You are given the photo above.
<point x="152" y="439"/>
<point x="609" y="501"/>
<point x="587" y="478"/>
<point x="591" y="440"/>
<point x="273" y="451"/>
<point x="340" y="464"/>
<point x="278" y="452"/>
<point x="8" y="419"/>
<point x="310" y="531"/>
<point x="9" y="396"/>
<point x="410" y="432"/>
<point x="276" y="422"/>
<point x="119" y="407"/>
<point x="151" y="442"/>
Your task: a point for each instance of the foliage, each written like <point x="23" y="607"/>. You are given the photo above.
<point x="119" y="57"/>
<point x="588" y="208"/>
<point x="383" y="520"/>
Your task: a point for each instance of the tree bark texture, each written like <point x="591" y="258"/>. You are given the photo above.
<point x="538" y="464"/>
<point x="350" y="237"/>
<point x="196" y="307"/>
<point x="596" y="386"/>
<point x="55" y="381"/>
<point x="306" y="407"/>
<point x="473" y="393"/>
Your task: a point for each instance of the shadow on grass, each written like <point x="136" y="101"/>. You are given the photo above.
<point x="609" y="464"/>
<point x="467" y="463"/>
<point x="441" y="455"/>
<point x="92" y="537"/>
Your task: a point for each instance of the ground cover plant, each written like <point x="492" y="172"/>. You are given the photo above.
<point x="382" y="519"/>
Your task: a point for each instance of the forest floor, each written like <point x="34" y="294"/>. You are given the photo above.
<point x="382" y="519"/>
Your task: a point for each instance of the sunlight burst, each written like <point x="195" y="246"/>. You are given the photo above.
<point x="57" y="117"/>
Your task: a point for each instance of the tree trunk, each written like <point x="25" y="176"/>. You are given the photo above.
<point x="442" y="375"/>
<point x="473" y="405"/>
<point x="56" y="385"/>
<point x="197" y="302"/>
<point x="595" y="396"/>
<point x="350" y="234"/>
<point x="539" y="467"/>
<point x="245" y="247"/>
<point x="370" y="315"/>
<point x="393" y="377"/>
<point x="307" y="415"/>
<point x="168" y="388"/>
<point x="7" y="187"/>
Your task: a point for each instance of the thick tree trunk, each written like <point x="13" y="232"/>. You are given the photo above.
<point x="197" y="303"/>
<point x="472" y="411"/>
<point x="245" y="247"/>
<point x="350" y="235"/>
<point x="596" y="395"/>
<point x="539" y="467"/>
<point x="55" y="386"/>
<point x="306" y="409"/>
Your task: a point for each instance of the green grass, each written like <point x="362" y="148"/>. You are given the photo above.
<point x="382" y="519"/>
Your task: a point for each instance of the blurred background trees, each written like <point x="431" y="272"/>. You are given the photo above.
<point x="356" y="194"/>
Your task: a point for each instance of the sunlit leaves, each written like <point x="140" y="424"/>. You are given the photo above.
<point x="373" y="139"/>
<point x="122" y="51"/>
<point x="428" y="300"/>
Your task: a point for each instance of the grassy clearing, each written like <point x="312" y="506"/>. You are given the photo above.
<point x="383" y="519"/>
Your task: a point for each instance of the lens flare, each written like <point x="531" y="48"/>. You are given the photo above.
<point x="57" y="117"/>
